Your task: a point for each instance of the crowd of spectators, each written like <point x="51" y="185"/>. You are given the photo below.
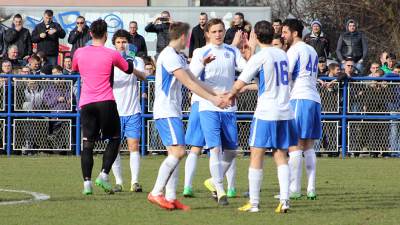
<point x="22" y="52"/>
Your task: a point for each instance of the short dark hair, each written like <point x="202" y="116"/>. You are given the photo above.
<point x="240" y="15"/>
<point x="98" y="28"/>
<point x="278" y="36"/>
<point x="264" y="31"/>
<point x="133" y="22"/>
<point x="397" y="66"/>
<point x="277" y="21"/>
<point x="294" y="25"/>
<point x="49" y="12"/>
<point x="166" y="12"/>
<point x="203" y="14"/>
<point x="176" y="30"/>
<point x="121" y="33"/>
<point x="67" y="57"/>
<point x="213" y="22"/>
<point x="391" y="56"/>
<point x="17" y="16"/>
<point x="34" y="57"/>
<point x="349" y="59"/>
<point x="333" y="66"/>
<point x="81" y="17"/>
<point x="58" y="67"/>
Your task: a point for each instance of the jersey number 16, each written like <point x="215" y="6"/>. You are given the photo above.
<point x="282" y="75"/>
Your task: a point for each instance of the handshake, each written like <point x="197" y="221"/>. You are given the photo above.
<point x="224" y="100"/>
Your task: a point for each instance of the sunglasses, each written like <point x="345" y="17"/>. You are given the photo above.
<point x="349" y="65"/>
<point x="80" y="22"/>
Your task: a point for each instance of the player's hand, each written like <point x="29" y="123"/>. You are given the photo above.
<point x="237" y="39"/>
<point x="42" y="35"/>
<point x="206" y="60"/>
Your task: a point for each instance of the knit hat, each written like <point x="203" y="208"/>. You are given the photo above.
<point x="316" y="22"/>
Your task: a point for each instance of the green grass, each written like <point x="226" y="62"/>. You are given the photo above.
<point x="351" y="191"/>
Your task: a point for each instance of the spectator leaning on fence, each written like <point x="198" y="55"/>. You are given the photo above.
<point x="34" y="64"/>
<point x="352" y="44"/>
<point x="322" y="67"/>
<point x="137" y="39"/>
<point x="318" y="39"/>
<point x="160" y="26"/>
<point x="67" y="70"/>
<point x="20" y="36"/>
<point x="374" y="68"/>
<point x="390" y="63"/>
<point x="197" y="39"/>
<point x="79" y="36"/>
<point x="6" y="67"/>
<point x="46" y="35"/>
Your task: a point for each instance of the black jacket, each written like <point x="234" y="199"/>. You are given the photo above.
<point x="197" y="39"/>
<point x="2" y="42"/>
<point x="352" y="44"/>
<point x="162" y="34"/>
<point x="49" y="45"/>
<point x="319" y="42"/>
<point x="140" y="43"/>
<point x="22" y="39"/>
<point x="230" y="33"/>
<point x="78" y="39"/>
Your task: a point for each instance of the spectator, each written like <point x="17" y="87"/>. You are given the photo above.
<point x="197" y="39"/>
<point x="278" y="41"/>
<point x="46" y="35"/>
<point x="67" y="70"/>
<point x="374" y="69"/>
<point x="57" y="70"/>
<point x="277" y="25"/>
<point x="238" y="24"/>
<point x="318" y="39"/>
<point x="334" y="70"/>
<point x="149" y="65"/>
<point x="137" y="39"/>
<point x="12" y="56"/>
<point x="383" y="58"/>
<point x="25" y="70"/>
<point x="33" y="96"/>
<point x="6" y="67"/>
<point x="45" y="67"/>
<point x="322" y="67"/>
<point x="352" y="44"/>
<point x="390" y="63"/>
<point x="79" y="36"/>
<point x="160" y="26"/>
<point x="2" y="42"/>
<point x="34" y="64"/>
<point x="20" y="36"/>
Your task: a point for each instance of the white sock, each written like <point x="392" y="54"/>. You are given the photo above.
<point x="231" y="175"/>
<point x="87" y="184"/>
<point x="164" y="173"/>
<point x="103" y="176"/>
<point x="170" y="188"/>
<point x="190" y="168"/>
<point x="117" y="170"/>
<point x="311" y="166"/>
<point x="283" y="178"/>
<point x="216" y="170"/>
<point x="134" y="163"/>
<point x="255" y="180"/>
<point x="295" y="167"/>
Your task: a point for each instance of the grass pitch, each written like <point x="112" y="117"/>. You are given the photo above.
<point x="351" y="191"/>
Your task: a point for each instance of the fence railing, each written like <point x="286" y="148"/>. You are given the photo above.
<point x="38" y="112"/>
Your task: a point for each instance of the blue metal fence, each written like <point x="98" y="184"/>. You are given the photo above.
<point x="334" y="111"/>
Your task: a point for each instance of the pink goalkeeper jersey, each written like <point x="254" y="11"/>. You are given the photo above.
<point x="96" y="67"/>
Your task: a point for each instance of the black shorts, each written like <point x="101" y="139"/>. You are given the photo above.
<point x="100" y="116"/>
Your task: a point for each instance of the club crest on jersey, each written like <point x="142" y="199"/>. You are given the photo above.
<point x="227" y="55"/>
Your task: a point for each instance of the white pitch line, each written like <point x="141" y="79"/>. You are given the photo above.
<point x="36" y="197"/>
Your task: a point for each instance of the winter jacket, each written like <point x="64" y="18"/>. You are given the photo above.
<point x="352" y="45"/>
<point x="78" y="39"/>
<point x="197" y="39"/>
<point x="320" y="43"/>
<point x="162" y="31"/>
<point x="49" y="45"/>
<point x="22" y="39"/>
<point x="140" y="43"/>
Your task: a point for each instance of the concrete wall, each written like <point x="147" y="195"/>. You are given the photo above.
<point x="119" y="17"/>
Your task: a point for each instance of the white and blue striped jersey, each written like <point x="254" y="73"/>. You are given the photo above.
<point x="303" y="65"/>
<point x="218" y="74"/>
<point x="125" y="90"/>
<point x="168" y="90"/>
<point x="270" y="67"/>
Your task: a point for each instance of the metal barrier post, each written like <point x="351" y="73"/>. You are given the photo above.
<point x="9" y="89"/>
<point x="143" y="109"/>
<point x="344" y="119"/>
<point x="78" y="120"/>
